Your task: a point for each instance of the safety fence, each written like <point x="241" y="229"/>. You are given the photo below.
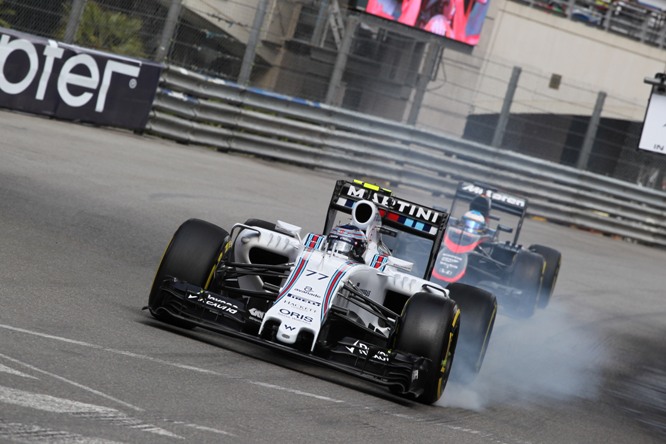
<point x="195" y="109"/>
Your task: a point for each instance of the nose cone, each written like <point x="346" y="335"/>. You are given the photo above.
<point x="287" y="334"/>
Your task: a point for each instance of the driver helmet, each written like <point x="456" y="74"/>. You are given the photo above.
<point x="473" y="222"/>
<point x="347" y="240"/>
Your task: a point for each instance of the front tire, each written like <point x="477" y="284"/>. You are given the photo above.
<point x="478" y="309"/>
<point x="429" y="328"/>
<point x="191" y="256"/>
<point x="553" y="259"/>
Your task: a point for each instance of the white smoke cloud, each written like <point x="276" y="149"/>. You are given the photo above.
<point x="550" y="356"/>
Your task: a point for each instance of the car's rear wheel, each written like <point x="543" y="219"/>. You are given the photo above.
<point x="525" y="276"/>
<point x="553" y="259"/>
<point x="478" y="309"/>
<point x="429" y="328"/>
<point x="261" y="224"/>
<point x="191" y="256"/>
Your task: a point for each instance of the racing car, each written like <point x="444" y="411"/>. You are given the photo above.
<point x="340" y="298"/>
<point x="523" y="279"/>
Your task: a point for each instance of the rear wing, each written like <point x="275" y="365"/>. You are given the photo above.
<point x="399" y="214"/>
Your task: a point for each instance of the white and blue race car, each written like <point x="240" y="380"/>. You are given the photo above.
<point x="342" y="298"/>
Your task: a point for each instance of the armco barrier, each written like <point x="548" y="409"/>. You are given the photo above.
<point x="200" y="110"/>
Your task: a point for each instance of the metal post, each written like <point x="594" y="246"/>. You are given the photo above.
<point x="74" y="20"/>
<point x="432" y="56"/>
<point x="591" y="132"/>
<point x="169" y="30"/>
<point x="570" y="7"/>
<point x="252" y="42"/>
<point x="320" y="24"/>
<point x="503" y="120"/>
<point x="341" y="60"/>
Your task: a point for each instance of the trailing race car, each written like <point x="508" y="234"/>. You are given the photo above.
<point x="340" y="299"/>
<point x="522" y="279"/>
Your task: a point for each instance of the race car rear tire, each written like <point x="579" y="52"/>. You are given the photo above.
<point x="191" y="256"/>
<point x="429" y="328"/>
<point x="525" y="275"/>
<point x="261" y="224"/>
<point x="553" y="259"/>
<point x="478" y="309"/>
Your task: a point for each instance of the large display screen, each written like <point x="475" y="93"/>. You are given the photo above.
<point x="459" y="20"/>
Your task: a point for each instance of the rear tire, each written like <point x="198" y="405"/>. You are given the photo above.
<point x="525" y="275"/>
<point x="191" y="256"/>
<point x="261" y="224"/>
<point x="478" y="309"/>
<point x="429" y="328"/>
<point x="553" y="259"/>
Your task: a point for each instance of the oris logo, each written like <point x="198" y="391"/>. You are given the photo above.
<point x="296" y="315"/>
<point x="79" y="80"/>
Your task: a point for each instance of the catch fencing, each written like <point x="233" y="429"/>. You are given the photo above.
<point x="196" y="109"/>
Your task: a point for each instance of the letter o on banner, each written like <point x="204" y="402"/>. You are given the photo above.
<point x="6" y="49"/>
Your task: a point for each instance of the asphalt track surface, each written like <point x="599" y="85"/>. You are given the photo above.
<point x="85" y="214"/>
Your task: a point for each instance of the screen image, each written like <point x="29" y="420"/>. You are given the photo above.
<point x="459" y="20"/>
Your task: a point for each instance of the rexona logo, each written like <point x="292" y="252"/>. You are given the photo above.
<point x="41" y="69"/>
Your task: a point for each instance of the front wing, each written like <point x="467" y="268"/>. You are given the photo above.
<point x="402" y="372"/>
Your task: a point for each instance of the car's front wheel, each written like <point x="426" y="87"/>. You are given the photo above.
<point x="429" y="328"/>
<point x="191" y="256"/>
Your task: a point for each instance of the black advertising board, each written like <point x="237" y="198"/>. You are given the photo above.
<point x="43" y="76"/>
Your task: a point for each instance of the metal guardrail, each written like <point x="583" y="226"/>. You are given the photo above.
<point x="196" y="109"/>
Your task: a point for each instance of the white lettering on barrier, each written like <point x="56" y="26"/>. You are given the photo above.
<point x="90" y="82"/>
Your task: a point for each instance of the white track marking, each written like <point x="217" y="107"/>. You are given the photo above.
<point x="296" y="392"/>
<point x="75" y="384"/>
<point x="11" y="371"/>
<point x="212" y="372"/>
<point x="200" y="427"/>
<point x="26" y="433"/>
<point x="53" y="404"/>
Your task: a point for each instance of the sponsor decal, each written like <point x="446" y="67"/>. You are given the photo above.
<point x="215" y="302"/>
<point x="307" y="291"/>
<point x="494" y="195"/>
<point x="93" y="82"/>
<point x="299" y="307"/>
<point x="304" y="300"/>
<point x="256" y="313"/>
<point x="362" y="349"/>
<point x="296" y="315"/>
<point x="289" y="327"/>
<point x="405" y="208"/>
<point x="48" y="77"/>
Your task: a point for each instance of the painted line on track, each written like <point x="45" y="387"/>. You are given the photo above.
<point x="52" y="404"/>
<point x="487" y="436"/>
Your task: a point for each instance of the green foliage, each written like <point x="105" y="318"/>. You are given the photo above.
<point x="109" y="31"/>
<point x="5" y="12"/>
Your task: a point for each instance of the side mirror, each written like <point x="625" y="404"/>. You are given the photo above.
<point x="504" y="228"/>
